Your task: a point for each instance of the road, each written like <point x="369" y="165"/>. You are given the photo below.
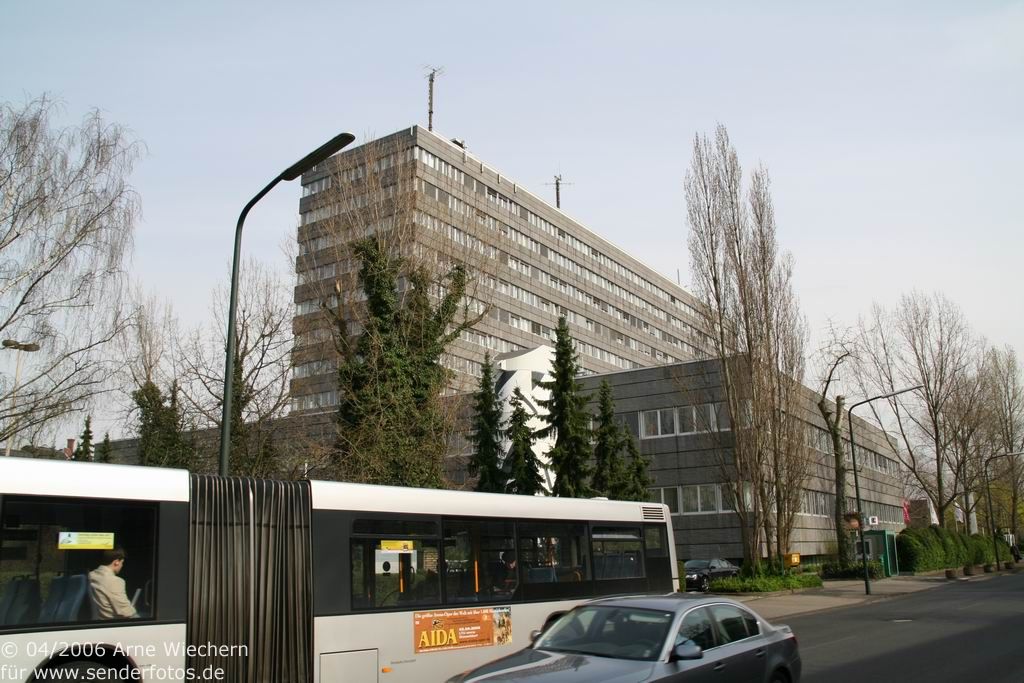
<point x="964" y="631"/>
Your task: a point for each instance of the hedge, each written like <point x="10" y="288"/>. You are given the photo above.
<point x="834" y="570"/>
<point x="765" y="584"/>
<point x="933" y="548"/>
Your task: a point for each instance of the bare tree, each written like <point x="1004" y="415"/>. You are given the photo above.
<point x="262" y="374"/>
<point x="1005" y="390"/>
<point x="836" y="353"/>
<point x="925" y="341"/>
<point x="67" y="215"/>
<point x="965" y="430"/>
<point x="758" y="337"/>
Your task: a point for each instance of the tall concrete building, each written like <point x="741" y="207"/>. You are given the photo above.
<point x="531" y="264"/>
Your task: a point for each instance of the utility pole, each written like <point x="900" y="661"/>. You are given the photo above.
<point x="558" y="190"/>
<point x="435" y="71"/>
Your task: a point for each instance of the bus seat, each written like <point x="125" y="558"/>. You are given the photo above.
<point x="48" y="612"/>
<point x="8" y="597"/>
<point x="75" y="588"/>
<point x="541" y="575"/>
<point x="24" y="608"/>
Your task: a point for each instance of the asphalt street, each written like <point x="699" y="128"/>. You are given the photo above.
<point x="964" y="631"/>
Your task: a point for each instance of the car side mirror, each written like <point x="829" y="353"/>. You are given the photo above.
<point x="687" y="650"/>
<point x="535" y="634"/>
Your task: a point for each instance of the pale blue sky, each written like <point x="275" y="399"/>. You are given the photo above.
<point x="893" y="132"/>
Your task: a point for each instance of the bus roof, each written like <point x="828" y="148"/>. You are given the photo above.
<point x="365" y="497"/>
<point x="33" y="476"/>
<point x="39" y="477"/>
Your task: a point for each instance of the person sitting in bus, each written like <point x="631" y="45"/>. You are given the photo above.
<point x="506" y="577"/>
<point x="106" y="588"/>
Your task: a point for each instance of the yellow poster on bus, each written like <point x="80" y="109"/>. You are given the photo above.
<point x="454" y="629"/>
<point x="85" y="540"/>
<point x="396" y="545"/>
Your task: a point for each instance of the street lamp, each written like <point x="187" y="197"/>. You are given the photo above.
<point x="988" y="491"/>
<point x="856" y="480"/>
<point x="22" y="348"/>
<point x="307" y="162"/>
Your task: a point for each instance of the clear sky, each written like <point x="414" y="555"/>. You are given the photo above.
<point x="893" y="131"/>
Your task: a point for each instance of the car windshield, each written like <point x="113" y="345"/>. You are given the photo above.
<point x="609" y="631"/>
<point x="697" y="564"/>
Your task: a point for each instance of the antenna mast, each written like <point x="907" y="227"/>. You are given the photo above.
<point x="434" y="72"/>
<point x="558" y="190"/>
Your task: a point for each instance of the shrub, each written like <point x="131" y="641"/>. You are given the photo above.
<point x="765" y="584"/>
<point x="835" y="570"/>
<point x="922" y="550"/>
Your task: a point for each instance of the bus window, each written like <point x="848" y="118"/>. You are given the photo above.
<point x="68" y="560"/>
<point x="553" y="552"/>
<point x="480" y="561"/>
<point x="389" y="572"/>
<point x="618" y="553"/>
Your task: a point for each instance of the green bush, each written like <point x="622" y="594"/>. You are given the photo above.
<point x="765" y="584"/>
<point x="835" y="570"/>
<point x="934" y="548"/>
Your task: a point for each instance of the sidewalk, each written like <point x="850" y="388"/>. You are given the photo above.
<point x="845" y="593"/>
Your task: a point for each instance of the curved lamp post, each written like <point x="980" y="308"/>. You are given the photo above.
<point x="988" y="491"/>
<point x="22" y="348"/>
<point x="307" y="162"/>
<point x="856" y="480"/>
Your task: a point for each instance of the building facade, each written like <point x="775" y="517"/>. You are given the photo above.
<point x="675" y="412"/>
<point x="530" y="262"/>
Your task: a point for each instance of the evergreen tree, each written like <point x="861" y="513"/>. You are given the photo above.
<point x="104" y="450"/>
<point x="524" y="468"/>
<point x="635" y="483"/>
<point x="567" y="420"/>
<point x="486" y="436"/>
<point x="84" y="449"/>
<point x="392" y="426"/>
<point x="162" y="441"/>
<point x="609" y="440"/>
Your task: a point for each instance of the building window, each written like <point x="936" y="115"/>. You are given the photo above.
<point x="700" y="499"/>
<point x="658" y="422"/>
<point x="666" y="495"/>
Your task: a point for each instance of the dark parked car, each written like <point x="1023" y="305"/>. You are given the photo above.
<point x="700" y="573"/>
<point x="675" y="637"/>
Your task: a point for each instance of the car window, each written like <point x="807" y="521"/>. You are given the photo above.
<point x="715" y="564"/>
<point x="609" y="631"/>
<point x="753" y="628"/>
<point x="571" y="626"/>
<point x="697" y="627"/>
<point x="731" y="622"/>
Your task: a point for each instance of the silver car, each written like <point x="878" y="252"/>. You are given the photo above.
<point x="661" y="638"/>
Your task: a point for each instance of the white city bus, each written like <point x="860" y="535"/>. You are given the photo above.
<point x="248" y="580"/>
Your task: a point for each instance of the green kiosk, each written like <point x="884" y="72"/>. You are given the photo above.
<point x="882" y="547"/>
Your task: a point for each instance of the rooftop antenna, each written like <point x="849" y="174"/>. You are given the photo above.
<point x="558" y="190"/>
<point x="435" y="71"/>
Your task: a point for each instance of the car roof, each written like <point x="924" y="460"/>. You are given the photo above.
<point x="670" y="602"/>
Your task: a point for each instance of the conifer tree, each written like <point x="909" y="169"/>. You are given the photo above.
<point x="84" y="449"/>
<point x="486" y="437"/>
<point x="635" y="482"/>
<point x="566" y="420"/>
<point x="524" y="468"/>
<point x="609" y="440"/>
<point x="162" y="440"/>
<point x="104" y="450"/>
